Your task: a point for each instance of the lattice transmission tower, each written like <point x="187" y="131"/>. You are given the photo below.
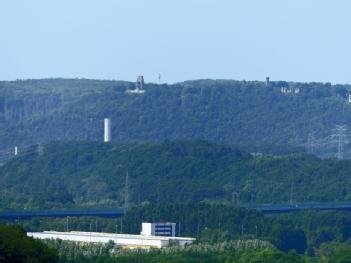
<point x="340" y="137"/>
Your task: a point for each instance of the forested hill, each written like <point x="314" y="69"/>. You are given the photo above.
<point x="95" y="175"/>
<point x="224" y="111"/>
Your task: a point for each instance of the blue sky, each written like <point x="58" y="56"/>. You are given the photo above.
<point x="295" y="40"/>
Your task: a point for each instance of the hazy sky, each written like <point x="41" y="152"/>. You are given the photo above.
<point x="298" y="40"/>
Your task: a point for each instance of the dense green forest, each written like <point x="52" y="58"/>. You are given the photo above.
<point x="239" y="251"/>
<point x="89" y="174"/>
<point x="224" y="234"/>
<point x="236" y="251"/>
<point x="191" y="153"/>
<point x="248" y="113"/>
<point x="308" y="232"/>
<point x="16" y="247"/>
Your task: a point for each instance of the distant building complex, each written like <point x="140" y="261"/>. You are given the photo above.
<point x="289" y="90"/>
<point x="157" y="235"/>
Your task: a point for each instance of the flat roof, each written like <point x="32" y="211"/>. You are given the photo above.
<point x="112" y="235"/>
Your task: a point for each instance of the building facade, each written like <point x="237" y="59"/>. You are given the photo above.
<point x="159" y="229"/>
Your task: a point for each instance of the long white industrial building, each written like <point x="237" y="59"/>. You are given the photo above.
<point x="118" y="239"/>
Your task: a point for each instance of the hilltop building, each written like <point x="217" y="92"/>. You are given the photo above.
<point x="139" y="86"/>
<point x="288" y="90"/>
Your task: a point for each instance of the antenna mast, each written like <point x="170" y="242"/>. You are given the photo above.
<point x="126" y="193"/>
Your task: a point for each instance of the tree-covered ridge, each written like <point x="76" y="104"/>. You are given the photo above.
<point x="85" y="174"/>
<point x="236" y="112"/>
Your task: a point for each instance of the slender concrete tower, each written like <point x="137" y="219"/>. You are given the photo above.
<point x="107" y="130"/>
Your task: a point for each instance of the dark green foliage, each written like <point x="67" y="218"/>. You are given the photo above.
<point x="320" y="227"/>
<point x="341" y="255"/>
<point x="336" y="252"/>
<point x="236" y="251"/>
<point x="94" y="174"/>
<point x="287" y="239"/>
<point x="16" y="247"/>
<point x="254" y="256"/>
<point x="270" y="255"/>
<point x="217" y="223"/>
<point x="213" y="223"/>
<point x="237" y="112"/>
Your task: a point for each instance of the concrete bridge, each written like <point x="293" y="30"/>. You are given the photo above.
<point x="119" y="212"/>
<point x="109" y="213"/>
<point x="283" y="208"/>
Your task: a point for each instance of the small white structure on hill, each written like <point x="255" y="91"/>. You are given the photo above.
<point x="139" y="86"/>
<point x="287" y="90"/>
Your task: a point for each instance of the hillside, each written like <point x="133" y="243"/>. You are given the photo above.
<point x="94" y="174"/>
<point x="245" y="113"/>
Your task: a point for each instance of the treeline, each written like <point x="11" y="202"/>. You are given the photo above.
<point x="341" y="254"/>
<point x="235" y="251"/>
<point x="222" y="232"/>
<point x="309" y="232"/>
<point x="15" y="247"/>
<point x="71" y="174"/>
<point x="303" y="232"/>
<point x="224" y="111"/>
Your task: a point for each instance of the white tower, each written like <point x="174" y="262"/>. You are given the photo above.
<point x="16" y="150"/>
<point x="139" y="85"/>
<point x="107" y="130"/>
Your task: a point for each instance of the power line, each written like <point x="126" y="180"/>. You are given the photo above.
<point x="126" y="193"/>
<point x="339" y="137"/>
<point x="312" y="142"/>
<point x="334" y="144"/>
